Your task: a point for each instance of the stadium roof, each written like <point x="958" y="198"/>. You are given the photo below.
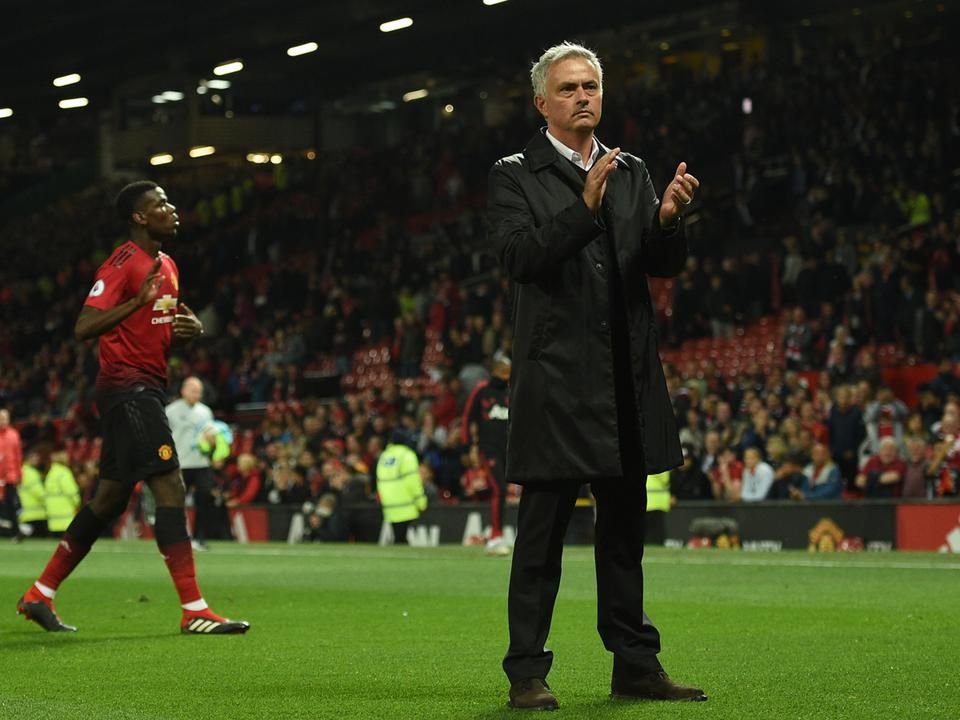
<point x="109" y="42"/>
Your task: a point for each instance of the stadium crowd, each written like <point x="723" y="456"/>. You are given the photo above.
<point x="371" y="268"/>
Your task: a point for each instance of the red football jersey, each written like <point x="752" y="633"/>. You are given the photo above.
<point x="135" y="351"/>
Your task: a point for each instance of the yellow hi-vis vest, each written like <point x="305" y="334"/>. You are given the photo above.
<point x="399" y="485"/>
<point x="62" y="495"/>
<point x="658" y="492"/>
<point x="32" y="505"/>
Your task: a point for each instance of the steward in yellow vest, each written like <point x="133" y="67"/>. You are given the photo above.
<point x="62" y="496"/>
<point x="658" y="505"/>
<point x="33" y="511"/>
<point x="400" y="487"/>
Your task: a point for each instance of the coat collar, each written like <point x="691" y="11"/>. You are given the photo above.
<point x="540" y="153"/>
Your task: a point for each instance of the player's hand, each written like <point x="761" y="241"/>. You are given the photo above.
<point x="186" y="325"/>
<point x="678" y="195"/>
<point x="596" y="183"/>
<point x="150" y="287"/>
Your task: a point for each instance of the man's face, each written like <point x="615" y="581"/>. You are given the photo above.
<point x="4" y="419"/>
<point x="888" y="451"/>
<point x="917" y="449"/>
<point x="723" y="413"/>
<point x="192" y="391"/>
<point x="157" y="215"/>
<point x="574" y="100"/>
<point x="819" y="454"/>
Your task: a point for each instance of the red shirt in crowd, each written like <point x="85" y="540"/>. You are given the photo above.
<point x="135" y="351"/>
<point x="11" y="456"/>
<point x="877" y="466"/>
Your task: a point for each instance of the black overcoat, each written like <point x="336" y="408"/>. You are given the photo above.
<point x="563" y="410"/>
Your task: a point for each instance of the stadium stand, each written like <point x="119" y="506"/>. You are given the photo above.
<point x="346" y="295"/>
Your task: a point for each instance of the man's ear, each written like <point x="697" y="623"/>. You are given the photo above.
<point x="540" y="104"/>
<point x="139" y="218"/>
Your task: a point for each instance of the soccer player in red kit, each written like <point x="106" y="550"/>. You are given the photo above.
<point x="486" y="417"/>
<point x="133" y="307"/>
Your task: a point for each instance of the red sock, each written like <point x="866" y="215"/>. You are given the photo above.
<point x="179" y="559"/>
<point x="67" y="556"/>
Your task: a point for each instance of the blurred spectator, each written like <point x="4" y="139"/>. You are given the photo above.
<point x="757" y="477"/>
<point x="757" y="435"/>
<point x="883" y="474"/>
<point x="945" y="455"/>
<point x="821" y="477"/>
<point x="726" y="476"/>
<point x="788" y="477"/>
<point x="916" y="474"/>
<point x="711" y="453"/>
<point x="810" y="422"/>
<point x="797" y="340"/>
<point x="846" y="429"/>
<point x="884" y="418"/>
<point x="244" y="482"/>
<point x="11" y="464"/>
<point x="729" y="429"/>
<point x="688" y="482"/>
<point x="691" y="434"/>
<point x="946" y="383"/>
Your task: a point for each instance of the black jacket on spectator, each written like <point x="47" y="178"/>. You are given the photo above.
<point x="574" y="303"/>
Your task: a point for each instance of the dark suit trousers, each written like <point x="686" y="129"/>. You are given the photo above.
<point x="544" y="514"/>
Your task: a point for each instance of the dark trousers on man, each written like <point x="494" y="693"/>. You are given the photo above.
<point x="544" y="513"/>
<point x="624" y="627"/>
<point x="201" y="480"/>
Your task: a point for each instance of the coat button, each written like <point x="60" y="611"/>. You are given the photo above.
<point x="599" y="266"/>
<point x="603" y="324"/>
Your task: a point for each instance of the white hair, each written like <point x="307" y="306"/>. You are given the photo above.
<point x="538" y="73"/>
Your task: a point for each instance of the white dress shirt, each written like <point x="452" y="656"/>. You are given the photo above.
<point x="573" y="156"/>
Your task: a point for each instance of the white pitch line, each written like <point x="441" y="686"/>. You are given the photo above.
<point x="769" y="559"/>
<point x="786" y="562"/>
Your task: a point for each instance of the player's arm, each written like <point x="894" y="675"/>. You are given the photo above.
<point x="94" y="322"/>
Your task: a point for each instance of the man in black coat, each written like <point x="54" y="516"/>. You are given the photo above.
<point x="578" y="227"/>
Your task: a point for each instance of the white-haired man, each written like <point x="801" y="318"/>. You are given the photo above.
<point x="578" y="227"/>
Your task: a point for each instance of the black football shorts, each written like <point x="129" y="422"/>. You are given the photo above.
<point x="137" y="442"/>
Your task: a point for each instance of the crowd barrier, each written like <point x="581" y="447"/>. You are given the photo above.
<point x="764" y="526"/>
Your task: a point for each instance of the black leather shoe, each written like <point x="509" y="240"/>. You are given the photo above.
<point x="532" y="694"/>
<point x="626" y="685"/>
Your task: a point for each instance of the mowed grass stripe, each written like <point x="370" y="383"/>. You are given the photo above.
<point x="367" y="632"/>
<point x="653" y="556"/>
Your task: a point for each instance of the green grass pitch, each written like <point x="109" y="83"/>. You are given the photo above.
<point x="393" y="633"/>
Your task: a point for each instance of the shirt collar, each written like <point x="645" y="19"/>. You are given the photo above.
<point x="572" y="155"/>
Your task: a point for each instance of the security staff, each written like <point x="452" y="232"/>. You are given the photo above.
<point x="33" y="511"/>
<point x="399" y="486"/>
<point x="61" y="495"/>
<point x="658" y="505"/>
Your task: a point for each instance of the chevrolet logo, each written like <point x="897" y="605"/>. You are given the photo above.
<point x="165" y="303"/>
